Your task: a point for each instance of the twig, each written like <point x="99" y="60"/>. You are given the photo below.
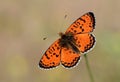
<point x="88" y="68"/>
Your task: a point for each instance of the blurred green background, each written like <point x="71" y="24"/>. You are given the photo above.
<point x="24" y="24"/>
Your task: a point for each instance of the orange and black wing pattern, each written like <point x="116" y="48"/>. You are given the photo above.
<point x="69" y="58"/>
<point x="84" y="24"/>
<point x="85" y="42"/>
<point x="51" y="57"/>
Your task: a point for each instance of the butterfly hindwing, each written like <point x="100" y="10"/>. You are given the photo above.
<point x="85" y="42"/>
<point x="69" y="58"/>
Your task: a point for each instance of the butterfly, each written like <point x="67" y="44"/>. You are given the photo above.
<point x="68" y="48"/>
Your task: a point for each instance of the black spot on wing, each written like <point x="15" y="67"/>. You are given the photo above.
<point x="47" y="56"/>
<point x="82" y="20"/>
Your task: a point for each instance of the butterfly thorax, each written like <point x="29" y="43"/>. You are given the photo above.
<point x="67" y="40"/>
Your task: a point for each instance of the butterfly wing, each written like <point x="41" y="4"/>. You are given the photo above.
<point x="84" y="24"/>
<point x="51" y="58"/>
<point x="69" y="58"/>
<point x="85" y="42"/>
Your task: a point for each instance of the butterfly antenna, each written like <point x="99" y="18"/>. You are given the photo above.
<point x="63" y="22"/>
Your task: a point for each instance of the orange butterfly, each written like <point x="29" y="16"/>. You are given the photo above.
<point x="76" y="40"/>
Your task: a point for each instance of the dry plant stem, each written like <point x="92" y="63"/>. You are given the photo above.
<point x="88" y="68"/>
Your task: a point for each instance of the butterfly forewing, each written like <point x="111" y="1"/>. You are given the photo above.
<point x="51" y="57"/>
<point x="84" y="24"/>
